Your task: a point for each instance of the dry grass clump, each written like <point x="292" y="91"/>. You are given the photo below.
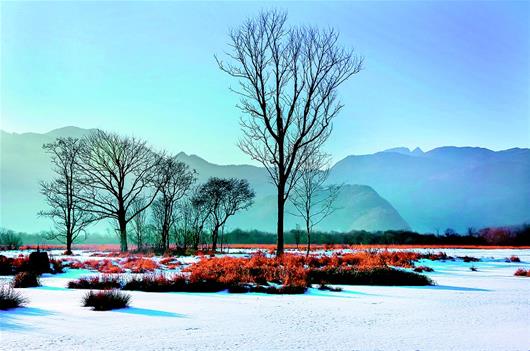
<point x="10" y="298"/>
<point x="103" y="282"/>
<point x="156" y="283"/>
<point x="26" y="280"/>
<point x="106" y="300"/>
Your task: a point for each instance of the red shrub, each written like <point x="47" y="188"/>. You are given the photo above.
<point x="521" y="272"/>
<point x="140" y="265"/>
<point x="258" y="269"/>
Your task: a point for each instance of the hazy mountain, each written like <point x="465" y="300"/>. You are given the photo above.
<point x="24" y="164"/>
<point x="454" y="187"/>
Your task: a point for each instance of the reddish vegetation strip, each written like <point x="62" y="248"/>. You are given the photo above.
<point x="288" y="274"/>
<point x="115" y="248"/>
<point x="375" y="246"/>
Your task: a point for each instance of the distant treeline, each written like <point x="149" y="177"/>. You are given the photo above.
<point x="516" y="236"/>
<point x="512" y="236"/>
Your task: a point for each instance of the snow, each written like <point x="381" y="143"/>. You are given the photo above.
<point x="484" y="310"/>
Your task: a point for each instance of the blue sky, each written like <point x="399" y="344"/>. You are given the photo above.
<point x="436" y="73"/>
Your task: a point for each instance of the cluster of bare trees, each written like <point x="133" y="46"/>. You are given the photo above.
<point x="288" y="80"/>
<point x="108" y="176"/>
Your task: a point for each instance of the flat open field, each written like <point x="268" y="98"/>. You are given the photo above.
<point x="487" y="309"/>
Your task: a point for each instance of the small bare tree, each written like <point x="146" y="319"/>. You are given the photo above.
<point x="139" y="223"/>
<point x="288" y="81"/>
<point x="183" y="224"/>
<point x="312" y="200"/>
<point x="176" y="180"/>
<point x="297" y="234"/>
<point x="70" y="215"/>
<point x="200" y="214"/>
<point x="116" y="171"/>
<point x="222" y="198"/>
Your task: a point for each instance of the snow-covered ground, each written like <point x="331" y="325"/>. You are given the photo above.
<point x="484" y="310"/>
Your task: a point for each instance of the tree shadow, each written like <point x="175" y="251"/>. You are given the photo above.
<point x="447" y="287"/>
<point x="45" y="287"/>
<point x="9" y="321"/>
<point x="344" y="294"/>
<point x="149" y="312"/>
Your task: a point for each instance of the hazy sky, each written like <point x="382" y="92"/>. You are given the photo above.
<point x="436" y="73"/>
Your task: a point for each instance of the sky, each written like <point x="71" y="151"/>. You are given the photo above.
<point x="435" y="73"/>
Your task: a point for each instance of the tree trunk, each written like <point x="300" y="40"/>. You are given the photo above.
<point x="165" y="236"/>
<point x="279" y="229"/>
<point x="68" y="243"/>
<point x="123" y="235"/>
<point x="308" y="231"/>
<point x="215" y="235"/>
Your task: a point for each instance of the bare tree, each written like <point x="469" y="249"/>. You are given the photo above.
<point x="183" y="224"/>
<point x="222" y="198"/>
<point x="116" y="171"/>
<point x="139" y="223"/>
<point x="176" y="180"/>
<point x="200" y="214"/>
<point x="70" y="215"/>
<point x="297" y="234"/>
<point x="312" y="200"/>
<point x="288" y="81"/>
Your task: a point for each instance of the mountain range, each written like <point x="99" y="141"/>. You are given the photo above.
<point x="24" y="164"/>
<point x="457" y="187"/>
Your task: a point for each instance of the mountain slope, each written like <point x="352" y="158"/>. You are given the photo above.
<point x="24" y="164"/>
<point x="456" y="187"/>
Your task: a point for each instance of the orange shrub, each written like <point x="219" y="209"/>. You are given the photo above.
<point x="258" y="269"/>
<point x="521" y="272"/>
<point x="140" y="265"/>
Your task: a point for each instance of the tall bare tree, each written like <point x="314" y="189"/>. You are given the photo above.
<point x="288" y="81"/>
<point x="70" y="216"/>
<point x="176" y="179"/>
<point x="222" y="198"/>
<point x="116" y="171"/>
<point x="312" y="200"/>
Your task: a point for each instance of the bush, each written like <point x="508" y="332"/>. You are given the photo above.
<point x="140" y="265"/>
<point x="373" y="276"/>
<point x="216" y="273"/>
<point x="100" y="283"/>
<point x="26" y="280"/>
<point x="39" y="262"/>
<point x="513" y="258"/>
<point x="9" y="298"/>
<point x="106" y="300"/>
<point x="57" y="266"/>
<point x="267" y="289"/>
<point x="421" y="269"/>
<point x="521" y="272"/>
<point x="6" y="266"/>
<point x="473" y="269"/>
<point x="328" y="288"/>
<point x="157" y="283"/>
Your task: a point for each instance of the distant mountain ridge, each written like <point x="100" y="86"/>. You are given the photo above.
<point x="457" y="187"/>
<point x="24" y="164"/>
